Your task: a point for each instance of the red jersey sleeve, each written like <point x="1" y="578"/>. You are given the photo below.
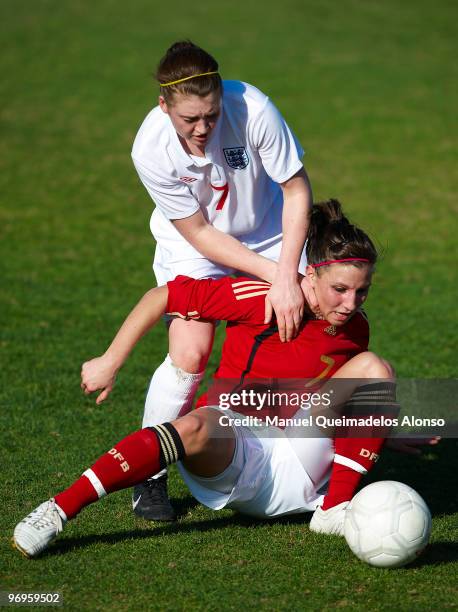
<point x="226" y="299"/>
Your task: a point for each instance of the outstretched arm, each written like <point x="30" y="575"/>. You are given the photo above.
<point x="184" y="297"/>
<point x="100" y="373"/>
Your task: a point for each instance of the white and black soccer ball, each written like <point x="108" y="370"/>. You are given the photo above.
<point x="387" y="524"/>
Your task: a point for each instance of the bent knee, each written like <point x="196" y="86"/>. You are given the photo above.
<point x="194" y="431"/>
<point x="374" y="366"/>
<point x="190" y="343"/>
<point x="191" y="359"/>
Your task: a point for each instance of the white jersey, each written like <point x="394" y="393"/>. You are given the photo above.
<point x="236" y="185"/>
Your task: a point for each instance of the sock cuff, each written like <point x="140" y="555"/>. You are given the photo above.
<point x="375" y="398"/>
<point x="380" y="388"/>
<point x="61" y="512"/>
<point x="172" y="449"/>
<point x="188" y="380"/>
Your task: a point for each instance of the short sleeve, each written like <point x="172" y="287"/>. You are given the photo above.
<point x="171" y="196"/>
<point x="280" y="151"/>
<point x="224" y="299"/>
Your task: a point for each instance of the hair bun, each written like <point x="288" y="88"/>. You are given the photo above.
<point x="331" y="236"/>
<point x="332" y="210"/>
<point x="180" y="45"/>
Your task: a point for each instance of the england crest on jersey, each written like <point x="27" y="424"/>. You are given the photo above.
<point x="237" y="157"/>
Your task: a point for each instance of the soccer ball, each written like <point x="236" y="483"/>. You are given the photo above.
<point x="387" y="524"/>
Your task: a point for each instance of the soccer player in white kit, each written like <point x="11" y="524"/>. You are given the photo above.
<point x="231" y="194"/>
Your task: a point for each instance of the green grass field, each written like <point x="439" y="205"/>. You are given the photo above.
<point x="370" y="89"/>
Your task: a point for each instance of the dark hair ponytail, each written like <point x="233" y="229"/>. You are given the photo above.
<point x="331" y="236"/>
<point x="184" y="59"/>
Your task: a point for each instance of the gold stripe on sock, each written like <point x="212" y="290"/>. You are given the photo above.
<point x="168" y="440"/>
<point x="163" y="443"/>
<point x="172" y="443"/>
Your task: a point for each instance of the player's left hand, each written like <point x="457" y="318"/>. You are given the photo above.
<point x="411" y="446"/>
<point x="287" y="300"/>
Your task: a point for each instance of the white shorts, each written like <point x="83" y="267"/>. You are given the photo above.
<point x="266" y="477"/>
<point x="174" y="256"/>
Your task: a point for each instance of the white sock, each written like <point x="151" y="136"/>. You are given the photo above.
<point x="170" y="395"/>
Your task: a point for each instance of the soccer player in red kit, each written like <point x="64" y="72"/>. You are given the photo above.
<point x="253" y="349"/>
<point x="240" y="468"/>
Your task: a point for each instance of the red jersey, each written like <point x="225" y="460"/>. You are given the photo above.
<point x="253" y="349"/>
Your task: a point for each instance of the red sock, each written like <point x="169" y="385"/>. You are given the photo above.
<point x="353" y="458"/>
<point x="130" y="462"/>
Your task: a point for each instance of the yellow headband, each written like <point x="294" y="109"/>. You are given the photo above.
<point x="194" y="76"/>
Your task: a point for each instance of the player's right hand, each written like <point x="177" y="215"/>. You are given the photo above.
<point x="98" y="373"/>
<point x="287" y="300"/>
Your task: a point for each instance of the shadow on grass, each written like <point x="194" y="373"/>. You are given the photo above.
<point x="164" y="529"/>
<point x="437" y="553"/>
<point x="183" y="505"/>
